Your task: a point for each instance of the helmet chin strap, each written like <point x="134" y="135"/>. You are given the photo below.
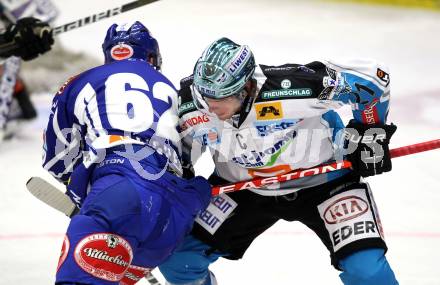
<point x="241" y="96"/>
<point x="248" y="89"/>
<point x="246" y="97"/>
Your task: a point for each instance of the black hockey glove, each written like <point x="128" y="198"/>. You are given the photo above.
<point x="32" y="37"/>
<point x="367" y="147"/>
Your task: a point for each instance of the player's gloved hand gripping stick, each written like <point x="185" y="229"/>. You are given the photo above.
<point x="371" y="154"/>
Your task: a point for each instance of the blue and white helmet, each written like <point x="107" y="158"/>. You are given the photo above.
<point x="135" y="42"/>
<point x="223" y="69"/>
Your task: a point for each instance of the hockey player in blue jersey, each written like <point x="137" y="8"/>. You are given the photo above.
<point x="260" y="121"/>
<point x="112" y="130"/>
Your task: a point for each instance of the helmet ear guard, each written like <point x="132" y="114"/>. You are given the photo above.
<point x="135" y="42"/>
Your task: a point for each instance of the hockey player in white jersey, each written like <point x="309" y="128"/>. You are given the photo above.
<point x="261" y="121"/>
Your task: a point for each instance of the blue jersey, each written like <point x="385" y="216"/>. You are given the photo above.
<point x="113" y="128"/>
<point x="125" y="102"/>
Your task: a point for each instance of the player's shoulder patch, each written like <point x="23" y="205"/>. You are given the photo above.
<point x="186" y="102"/>
<point x="383" y="76"/>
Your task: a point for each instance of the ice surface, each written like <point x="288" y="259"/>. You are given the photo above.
<point x="278" y="32"/>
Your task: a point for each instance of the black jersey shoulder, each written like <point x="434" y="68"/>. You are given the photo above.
<point x="292" y="81"/>
<point x="186" y="102"/>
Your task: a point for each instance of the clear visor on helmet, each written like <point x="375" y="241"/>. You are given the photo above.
<point x="200" y="102"/>
<point x="215" y="82"/>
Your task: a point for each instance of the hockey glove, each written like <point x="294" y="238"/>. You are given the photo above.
<point x="195" y="194"/>
<point x="368" y="149"/>
<point x="32" y="36"/>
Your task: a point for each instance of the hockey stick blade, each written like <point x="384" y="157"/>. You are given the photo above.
<point x="53" y="197"/>
<point x="50" y="195"/>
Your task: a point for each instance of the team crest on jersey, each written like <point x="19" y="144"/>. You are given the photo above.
<point x="121" y="51"/>
<point x="103" y="255"/>
<point x="269" y="111"/>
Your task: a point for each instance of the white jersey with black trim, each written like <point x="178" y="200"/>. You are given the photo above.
<point x="290" y="124"/>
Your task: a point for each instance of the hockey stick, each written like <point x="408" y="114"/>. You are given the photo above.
<point x="152" y="280"/>
<point x="50" y="195"/>
<point x="100" y="16"/>
<point x="321" y="169"/>
<point x="7" y="47"/>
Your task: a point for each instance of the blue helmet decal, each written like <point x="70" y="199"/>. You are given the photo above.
<point x="135" y="42"/>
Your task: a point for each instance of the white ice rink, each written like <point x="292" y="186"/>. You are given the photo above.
<point x="278" y="32"/>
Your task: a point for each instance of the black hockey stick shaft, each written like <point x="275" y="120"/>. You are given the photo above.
<point x="100" y="16"/>
<point x="8" y="47"/>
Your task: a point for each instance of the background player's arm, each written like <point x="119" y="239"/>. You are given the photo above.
<point x="365" y="85"/>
